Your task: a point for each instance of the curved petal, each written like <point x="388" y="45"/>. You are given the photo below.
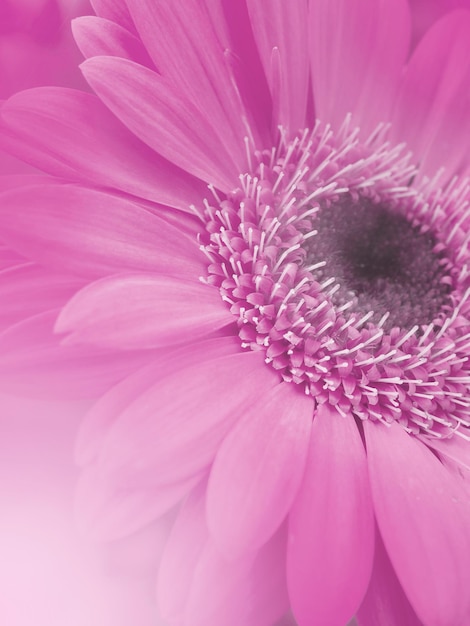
<point x="358" y="50"/>
<point x="91" y="233"/>
<point x="96" y="36"/>
<point x="283" y="26"/>
<point x="72" y="134"/>
<point x="385" y="602"/>
<point x="163" y="118"/>
<point x="115" y="10"/>
<point x="258" y="469"/>
<point x="142" y="311"/>
<point x="331" y="526"/>
<point x="173" y="430"/>
<point x="104" y="413"/>
<point x="436" y="93"/>
<point x="424" y="519"/>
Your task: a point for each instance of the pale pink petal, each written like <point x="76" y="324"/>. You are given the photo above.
<point x="185" y="545"/>
<point x="385" y="603"/>
<point x="331" y="526"/>
<point x="73" y="135"/>
<point x="115" y="10"/>
<point x="200" y="71"/>
<point x="424" y="518"/>
<point x="92" y="233"/>
<point x="163" y="118"/>
<point x="173" y="430"/>
<point x="98" y="420"/>
<point x="357" y="53"/>
<point x="258" y="469"/>
<point x="280" y="30"/>
<point x="142" y="311"/>
<point x="26" y="290"/>
<point x="106" y="511"/>
<point x="32" y="362"/>
<point x="250" y="591"/>
<point x="96" y="36"/>
<point x="432" y="107"/>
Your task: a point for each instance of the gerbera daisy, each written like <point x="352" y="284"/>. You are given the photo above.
<point x="266" y="208"/>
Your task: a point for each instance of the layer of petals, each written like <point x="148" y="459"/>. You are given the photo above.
<point x="258" y="469"/>
<point x="92" y="233"/>
<point x="142" y="311"/>
<point x="164" y="118"/>
<point x="424" y="518"/>
<point x="331" y="526"/>
<point x="358" y="50"/>
<point x="71" y="134"/>
<point x="432" y="107"/>
<point x="115" y="10"/>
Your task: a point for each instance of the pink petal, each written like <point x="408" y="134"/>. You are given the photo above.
<point x="385" y="603"/>
<point x="173" y="430"/>
<point x="201" y="72"/>
<point x="432" y="107"/>
<point x="96" y="36"/>
<point x="26" y="290"/>
<point x="258" y="469"/>
<point x="32" y="362"/>
<point x="163" y="118"/>
<point x="283" y="26"/>
<point x="92" y="233"/>
<point x="249" y="591"/>
<point x="424" y="518"/>
<point x="115" y="10"/>
<point x="72" y="135"/>
<point x="142" y="311"/>
<point x="187" y="540"/>
<point x="455" y="448"/>
<point x="99" y="419"/>
<point x="106" y="511"/>
<point x="331" y="527"/>
<point x="358" y="50"/>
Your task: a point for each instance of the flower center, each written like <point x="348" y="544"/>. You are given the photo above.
<point x="381" y="262"/>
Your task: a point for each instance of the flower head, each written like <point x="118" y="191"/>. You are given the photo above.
<point x="272" y="296"/>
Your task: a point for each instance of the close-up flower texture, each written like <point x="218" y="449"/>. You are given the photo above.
<point x="246" y="248"/>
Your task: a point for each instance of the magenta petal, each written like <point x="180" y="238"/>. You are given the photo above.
<point x="92" y="233"/>
<point x="385" y="603"/>
<point x="283" y="25"/>
<point x="331" y="526"/>
<point x="115" y="10"/>
<point x="258" y="469"/>
<point x="434" y="93"/>
<point x="142" y="311"/>
<point x="358" y="50"/>
<point x="173" y="430"/>
<point x="96" y="36"/>
<point x="73" y="135"/>
<point x="102" y="415"/>
<point x="250" y="591"/>
<point x="163" y="118"/>
<point x="424" y="518"/>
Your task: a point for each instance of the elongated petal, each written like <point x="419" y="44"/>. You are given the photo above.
<point x="435" y="91"/>
<point x="115" y="10"/>
<point x="32" y="362"/>
<point x="142" y="311"/>
<point x="92" y="233"/>
<point x="258" y="469"/>
<point x="173" y="430"/>
<point x="71" y="134"/>
<point x="96" y="36"/>
<point x="424" y="518"/>
<point x="358" y="50"/>
<point x="283" y="26"/>
<point x="163" y="118"/>
<point x="201" y="72"/>
<point x="102" y="415"/>
<point x="385" y="602"/>
<point x="331" y="526"/>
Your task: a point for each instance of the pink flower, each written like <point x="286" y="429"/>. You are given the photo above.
<point x="268" y="239"/>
